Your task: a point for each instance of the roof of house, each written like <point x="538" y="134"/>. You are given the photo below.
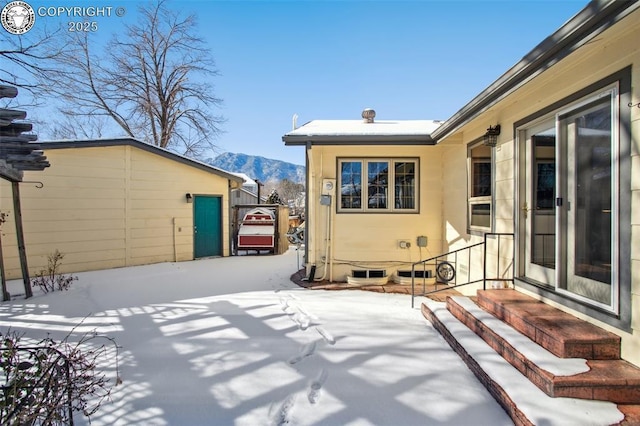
<point x="97" y="143"/>
<point x="591" y="21"/>
<point x="246" y="191"/>
<point x="247" y="180"/>
<point x="329" y="132"/>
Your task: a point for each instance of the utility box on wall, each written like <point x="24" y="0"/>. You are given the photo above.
<point x="421" y="241"/>
<point x="328" y="186"/>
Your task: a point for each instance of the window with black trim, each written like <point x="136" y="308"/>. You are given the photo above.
<point x="378" y="185"/>
<point x="480" y="187"/>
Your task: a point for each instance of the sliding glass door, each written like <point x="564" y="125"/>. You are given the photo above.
<point x="569" y="200"/>
<point x="588" y="144"/>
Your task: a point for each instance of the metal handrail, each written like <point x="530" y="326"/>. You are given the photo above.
<point x="434" y="261"/>
<point x="484" y="260"/>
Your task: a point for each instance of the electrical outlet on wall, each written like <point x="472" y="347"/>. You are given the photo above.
<point x="404" y="244"/>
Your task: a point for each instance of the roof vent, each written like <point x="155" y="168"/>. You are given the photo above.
<point x="368" y="114"/>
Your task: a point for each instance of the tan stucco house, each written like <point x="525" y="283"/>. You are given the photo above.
<point x="118" y="202"/>
<point x="563" y="179"/>
<point x="373" y="186"/>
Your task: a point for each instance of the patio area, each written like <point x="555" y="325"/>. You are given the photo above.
<point x="391" y="287"/>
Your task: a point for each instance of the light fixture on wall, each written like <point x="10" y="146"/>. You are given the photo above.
<point x="189" y="198"/>
<point x="491" y="137"/>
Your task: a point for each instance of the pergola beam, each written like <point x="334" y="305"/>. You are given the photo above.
<point x="17" y="154"/>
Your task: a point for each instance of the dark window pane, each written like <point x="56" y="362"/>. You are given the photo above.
<point x="545" y="186"/>
<point x="481" y="215"/>
<point x="351" y="185"/>
<point x="378" y="184"/>
<point x="405" y="185"/>
<point x="481" y="179"/>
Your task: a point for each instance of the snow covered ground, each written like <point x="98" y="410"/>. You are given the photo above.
<point x="232" y="341"/>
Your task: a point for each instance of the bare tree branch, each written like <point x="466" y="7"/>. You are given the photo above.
<point x="28" y="59"/>
<point x="78" y="127"/>
<point x="154" y="82"/>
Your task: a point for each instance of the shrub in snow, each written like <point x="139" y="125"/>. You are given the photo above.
<point x="274" y="198"/>
<point x="50" y="279"/>
<point x="45" y="382"/>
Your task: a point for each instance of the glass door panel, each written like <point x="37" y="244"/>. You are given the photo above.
<point x="587" y="215"/>
<point x="539" y="208"/>
<point x="568" y="199"/>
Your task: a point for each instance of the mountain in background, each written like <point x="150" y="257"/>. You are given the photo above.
<point x="261" y="168"/>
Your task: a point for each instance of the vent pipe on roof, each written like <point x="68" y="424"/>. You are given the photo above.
<point x="368" y="114"/>
<point x="294" y="120"/>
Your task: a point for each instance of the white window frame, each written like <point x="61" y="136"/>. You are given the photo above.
<point x="479" y="200"/>
<point x="364" y="208"/>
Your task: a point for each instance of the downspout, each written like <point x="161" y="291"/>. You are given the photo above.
<point x="327" y="238"/>
<point x="330" y="243"/>
<point x="229" y="214"/>
<point x="307" y="216"/>
<point x="175" y="250"/>
<point x="331" y="212"/>
<point x="327" y="244"/>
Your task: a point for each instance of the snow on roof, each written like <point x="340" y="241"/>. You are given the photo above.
<point x="361" y="132"/>
<point x="247" y="180"/>
<point x="361" y="127"/>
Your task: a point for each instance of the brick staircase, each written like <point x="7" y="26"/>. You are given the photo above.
<point x="557" y="369"/>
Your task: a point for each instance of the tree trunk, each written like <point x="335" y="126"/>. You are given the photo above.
<point x="17" y="211"/>
<point x="5" y="294"/>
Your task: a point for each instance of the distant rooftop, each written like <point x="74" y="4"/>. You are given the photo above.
<point x="125" y="141"/>
<point x="367" y="130"/>
<point x="247" y="180"/>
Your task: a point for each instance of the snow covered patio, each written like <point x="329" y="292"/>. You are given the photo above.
<point x="233" y="341"/>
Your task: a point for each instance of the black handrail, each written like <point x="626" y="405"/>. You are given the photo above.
<point x="513" y="256"/>
<point x="434" y="261"/>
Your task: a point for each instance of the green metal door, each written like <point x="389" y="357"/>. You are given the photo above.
<point x="207" y="226"/>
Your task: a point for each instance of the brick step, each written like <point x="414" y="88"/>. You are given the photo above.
<point x="525" y="403"/>
<point x="560" y="333"/>
<point x="607" y="380"/>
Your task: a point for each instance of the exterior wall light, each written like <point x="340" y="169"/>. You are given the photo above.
<point x="189" y="198"/>
<point x="491" y="137"/>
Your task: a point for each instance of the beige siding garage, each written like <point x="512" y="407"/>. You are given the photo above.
<point x="114" y="203"/>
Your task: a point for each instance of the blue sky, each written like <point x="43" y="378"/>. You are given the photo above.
<point x="331" y="59"/>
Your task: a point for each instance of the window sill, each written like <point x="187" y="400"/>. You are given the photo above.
<point x="478" y="231"/>
<point x="390" y="212"/>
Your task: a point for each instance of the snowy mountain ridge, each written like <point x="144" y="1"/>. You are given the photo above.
<point x="256" y="167"/>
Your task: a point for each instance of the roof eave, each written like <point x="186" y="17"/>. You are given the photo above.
<point x="596" y="17"/>
<point x="303" y="140"/>
<point x="95" y="143"/>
